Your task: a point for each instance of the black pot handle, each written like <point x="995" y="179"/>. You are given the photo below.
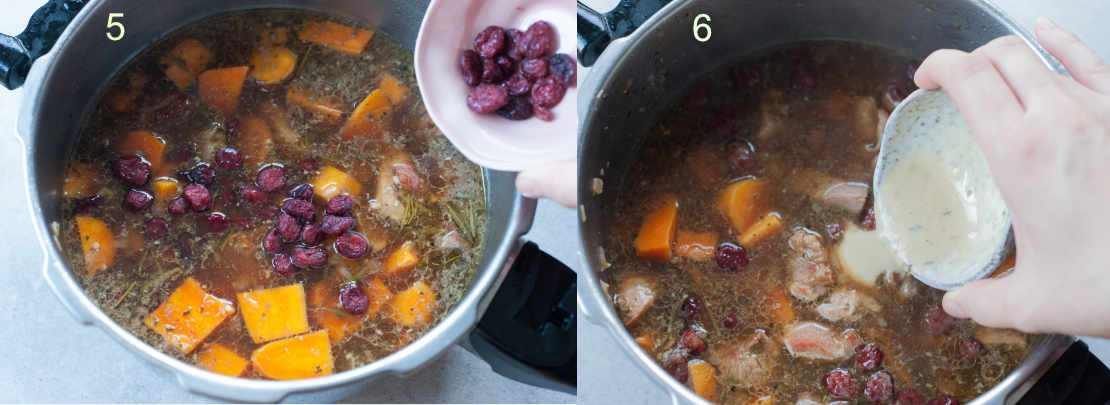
<point x="46" y="25"/>
<point x="596" y="30"/>
<point x="1077" y="377"/>
<point x="529" y="332"/>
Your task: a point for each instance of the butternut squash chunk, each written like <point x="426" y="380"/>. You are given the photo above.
<point x="303" y="356"/>
<point x="325" y="313"/>
<point x="699" y="246"/>
<point x="256" y="141"/>
<point x="413" y="307"/>
<point x="396" y="92"/>
<point x="328" y="109"/>
<point x="189" y="316"/>
<point x="145" y="144"/>
<point x="340" y="37"/>
<point x="166" y="188"/>
<point x="366" y="118"/>
<point x="123" y="99"/>
<point x="332" y="182"/>
<point x="274" y="313"/>
<point x="220" y="88"/>
<point x="80" y="181"/>
<point x="97" y="243"/>
<point x="645" y="342"/>
<point x="703" y="379"/>
<point x="272" y="64"/>
<point x="657" y="231"/>
<point x="744" y="201"/>
<point x="184" y="62"/>
<point x="217" y="358"/>
<point x="402" y="260"/>
<point x="767" y="226"/>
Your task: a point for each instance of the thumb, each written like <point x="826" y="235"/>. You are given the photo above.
<point x="555" y="181"/>
<point x="994" y="302"/>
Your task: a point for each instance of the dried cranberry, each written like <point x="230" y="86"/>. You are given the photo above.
<point x="490" y="42"/>
<point x="731" y="256"/>
<point x="741" y="156"/>
<point x="563" y="68"/>
<point x="217" y="222"/>
<point x="514" y="44"/>
<point x="944" y="400"/>
<point x="894" y="93"/>
<point x="202" y="173"/>
<point x="492" y="72"/>
<point x="548" y="92"/>
<point x="137" y="200"/>
<point x="746" y="76"/>
<point x="676" y="364"/>
<point x="802" y="80"/>
<point x="518" y="85"/>
<point x="133" y="170"/>
<point x="177" y="206"/>
<point x="340" y="205"/>
<point x="518" y="109"/>
<point x="309" y="165"/>
<point x="507" y="65"/>
<point x="311" y="234"/>
<point x="911" y="70"/>
<point x="867" y="219"/>
<point x="909" y="397"/>
<point x="937" y="321"/>
<point x="534" y="68"/>
<point x="283" y="265"/>
<point x="692" y="340"/>
<point x="470" y="65"/>
<point x="879" y="388"/>
<point x="272" y="241"/>
<point x="156" y="228"/>
<point x="487" y="98"/>
<point x="87" y="204"/>
<point x="353" y="299"/>
<point x="299" y="208"/>
<point x="288" y="227"/>
<point x="834" y="230"/>
<point x="408" y="178"/>
<point x="543" y="113"/>
<point x="840" y="384"/>
<point x="198" y="196"/>
<point x="869" y="357"/>
<point x="334" y="225"/>
<point x="306" y="257"/>
<point x="692" y="309"/>
<point x="732" y="321"/>
<point x="539" y="38"/>
<point x="252" y="194"/>
<point x="271" y="178"/>
<point x="301" y="191"/>
<point x="229" y="158"/>
<point x="969" y="349"/>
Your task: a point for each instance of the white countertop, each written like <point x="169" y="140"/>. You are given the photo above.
<point x="49" y="357"/>
<point x="607" y="374"/>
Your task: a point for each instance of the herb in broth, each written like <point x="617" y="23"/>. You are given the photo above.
<point x="793" y="132"/>
<point x="307" y="104"/>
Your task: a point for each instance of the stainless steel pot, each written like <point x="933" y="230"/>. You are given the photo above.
<point x="638" y="75"/>
<point x="62" y="87"/>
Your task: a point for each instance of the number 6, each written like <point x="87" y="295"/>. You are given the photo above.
<point x="116" y="24"/>
<point x="700" y="27"/>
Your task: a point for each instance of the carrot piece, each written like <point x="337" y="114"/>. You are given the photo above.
<point x="698" y="246"/>
<point x="645" y="342"/>
<point x="703" y="379"/>
<point x="396" y="92"/>
<point x="80" y="181"/>
<point x="340" y="37"/>
<point x="767" y="226"/>
<point x="97" y="243"/>
<point x="272" y="64"/>
<point x="365" y="119"/>
<point x="329" y="109"/>
<point x="189" y="316"/>
<point x="776" y="303"/>
<point x="256" y="141"/>
<point x="332" y="182"/>
<point x="220" y="88"/>
<point x="656" y="232"/>
<point x="219" y="359"/>
<point x="413" y="306"/>
<point x="184" y="62"/>
<point x="166" y="188"/>
<point x="303" y="356"/>
<point x="274" y="313"/>
<point x="402" y="260"/>
<point x="145" y="144"/>
<point x="744" y="201"/>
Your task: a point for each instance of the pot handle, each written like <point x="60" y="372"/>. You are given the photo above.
<point x="596" y="30"/>
<point x="529" y="332"/>
<point x="45" y="26"/>
<point x="1077" y="377"/>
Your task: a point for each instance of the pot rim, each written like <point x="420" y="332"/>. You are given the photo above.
<point x="596" y="305"/>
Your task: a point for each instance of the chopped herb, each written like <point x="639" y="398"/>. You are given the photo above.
<point x="338" y="312"/>
<point x="124" y="295"/>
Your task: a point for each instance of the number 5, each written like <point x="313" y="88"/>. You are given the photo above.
<point x="115" y="24"/>
<point x="701" y="28"/>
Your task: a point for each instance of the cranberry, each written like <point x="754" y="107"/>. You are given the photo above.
<point x="534" y="68"/>
<point x="867" y="220"/>
<point x="252" y="194"/>
<point x="198" y="196"/>
<point x="518" y="85"/>
<point x="539" y="38"/>
<point x="137" y="200"/>
<point x="676" y="364"/>
<point x="87" y="204"/>
<point x="288" y="227"/>
<point x="835" y="231"/>
<point x="487" y="98"/>
<point x="334" y="224"/>
<point x="272" y="241"/>
<point x="177" y="206"/>
<point x="353" y="299"/>
<point x="492" y="72"/>
<point x="311" y="234"/>
<point x="741" y="157"/>
<point x="937" y="321"/>
<point x="299" y="208"/>
<point x="894" y="93"/>
<point x="340" y="205"/>
<point x="470" y="65"/>
<point x="803" y="80"/>
<point x="518" y="109"/>
<point x="563" y="68"/>
<point x="507" y="65"/>
<point x="306" y="257"/>
<point x="408" y="178"/>
<point x="944" y="400"/>
<point x="731" y="256"/>
<point x="840" y="384"/>
<point x="217" y="222"/>
<point x="283" y="265"/>
<point x="909" y="397"/>
<point x="911" y="70"/>
<point x="692" y="308"/>
<point x="879" y="388"/>
<point x="732" y="321"/>
<point x="271" y="178"/>
<point x="514" y="44"/>
<point x="490" y="42"/>
<point x="202" y="173"/>
<point x="309" y="165"/>
<point x="969" y="349"/>
<point x="229" y="158"/>
<point x="869" y="357"/>
<point x="747" y="76"/>
<point x="543" y="113"/>
<point x="156" y="228"/>
<point x="133" y="170"/>
<point x="548" y="92"/>
<point x="692" y="341"/>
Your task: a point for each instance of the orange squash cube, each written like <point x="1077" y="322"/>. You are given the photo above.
<point x="189" y="316"/>
<point x="274" y="313"/>
<point x="302" y="356"/>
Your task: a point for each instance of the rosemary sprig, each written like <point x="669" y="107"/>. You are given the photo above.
<point x="124" y="295"/>
<point x="338" y="312"/>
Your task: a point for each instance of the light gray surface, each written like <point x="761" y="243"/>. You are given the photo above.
<point x="608" y="376"/>
<point x="48" y="357"/>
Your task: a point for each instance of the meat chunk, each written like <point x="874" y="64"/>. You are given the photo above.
<point x="772" y="114"/>
<point x="634" y="296"/>
<point x="747" y="363"/>
<point x="387" y="200"/>
<point x="997" y="336"/>
<point x="209" y="141"/>
<point x="832" y="192"/>
<point x="809" y="269"/>
<point x="283" y="133"/>
<point x="808" y="244"/>
<point x="812" y="340"/>
<point x="847" y="304"/>
<point x="856" y="113"/>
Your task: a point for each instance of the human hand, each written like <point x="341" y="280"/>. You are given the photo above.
<point x="556" y="181"/>
<point x="1047" y="139"/>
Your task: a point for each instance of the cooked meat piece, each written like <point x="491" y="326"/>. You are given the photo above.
<point x="634" y="296"/>
<point x="450" y="239"/>
<point x="283" y="133"/>
<point x="812" y="340"/>
<point x="772" y="114"/>
<point x="808" y="243"/>
<point x="808" y="399"/>
<point x="860" y="111"/>
<point x="747" y="363"/>
<point x="387" y="200"/>
<point x="847" y="304"/>
<point x="809" y="270"/>
<point x="835" y="193"/>
<point x="209" y="141"/>
<point x="997" y="336"/>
